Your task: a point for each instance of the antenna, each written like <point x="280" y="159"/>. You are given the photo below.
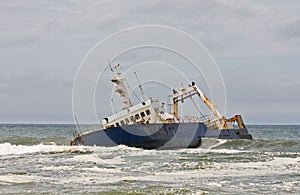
<point x="113" y="69"/>
<point x="137" y="97"/>
<point x="77" y="125"/>
<point x="140" y="85"/>
<point x="113" y="105"/>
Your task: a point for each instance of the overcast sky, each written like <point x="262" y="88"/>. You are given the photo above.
<point x="256" y="45"/>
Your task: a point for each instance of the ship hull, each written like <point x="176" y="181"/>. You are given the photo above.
<point x="228" y="134"/>
<point x="147" y="136"/>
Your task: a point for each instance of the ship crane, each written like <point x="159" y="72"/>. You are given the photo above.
<point x="192" y="90"/>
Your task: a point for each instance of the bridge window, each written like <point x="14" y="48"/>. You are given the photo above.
<point x="117" y="124"/>
<point x="148" y="112"/>
<point x="122" y="122"/>
<point x="132" y="118"/>
<point x="126" y="120"/>
<point x="143" y="114"/>
<point x="137" y="116"/>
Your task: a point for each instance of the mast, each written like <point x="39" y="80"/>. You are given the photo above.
<point x="121" y="89"/>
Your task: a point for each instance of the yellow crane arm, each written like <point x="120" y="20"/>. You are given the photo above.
<point x="207" y="102"/>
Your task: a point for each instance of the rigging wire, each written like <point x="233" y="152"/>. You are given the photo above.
<point x="140" y="85"/>
<point x="132" y="91"/>
<point x="197" y="107"/>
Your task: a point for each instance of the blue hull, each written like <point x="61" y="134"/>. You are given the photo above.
<point x="148" y="136"/>
<point x="228" y="134"/>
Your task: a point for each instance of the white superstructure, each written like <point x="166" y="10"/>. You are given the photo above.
<point x="149" y="111"/>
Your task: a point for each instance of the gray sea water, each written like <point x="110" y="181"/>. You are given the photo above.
<point x="37" y="159"/>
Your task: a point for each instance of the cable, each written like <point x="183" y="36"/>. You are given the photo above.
<point x="196" y="106"/>
<point x="132" y="91"/>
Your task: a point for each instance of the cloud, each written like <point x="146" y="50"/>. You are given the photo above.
<point x="43" y="42"/>
<point x="226" y="27"/>
<point x="291" y="30"/>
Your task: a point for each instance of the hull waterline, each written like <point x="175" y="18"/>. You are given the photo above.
<point x="147" y="136"/>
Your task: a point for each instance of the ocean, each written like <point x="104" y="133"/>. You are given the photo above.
<point x="37" y="159"/>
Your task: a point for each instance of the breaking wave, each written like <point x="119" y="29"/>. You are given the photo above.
<point x="11" y="149"/>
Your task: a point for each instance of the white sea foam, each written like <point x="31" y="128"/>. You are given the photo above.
<point x="94" y="158"/>
<point x="208" y="145"/>
<point x="216" y="170"/>
<point x="88" y="158"/>
<point x="10" y="149"/>
<point x="7" y="149"/>
<point x="16" y="179"/>
<point x="227" y="151"/>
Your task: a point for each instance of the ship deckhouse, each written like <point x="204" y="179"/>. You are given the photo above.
<point x="149" y="111"/>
